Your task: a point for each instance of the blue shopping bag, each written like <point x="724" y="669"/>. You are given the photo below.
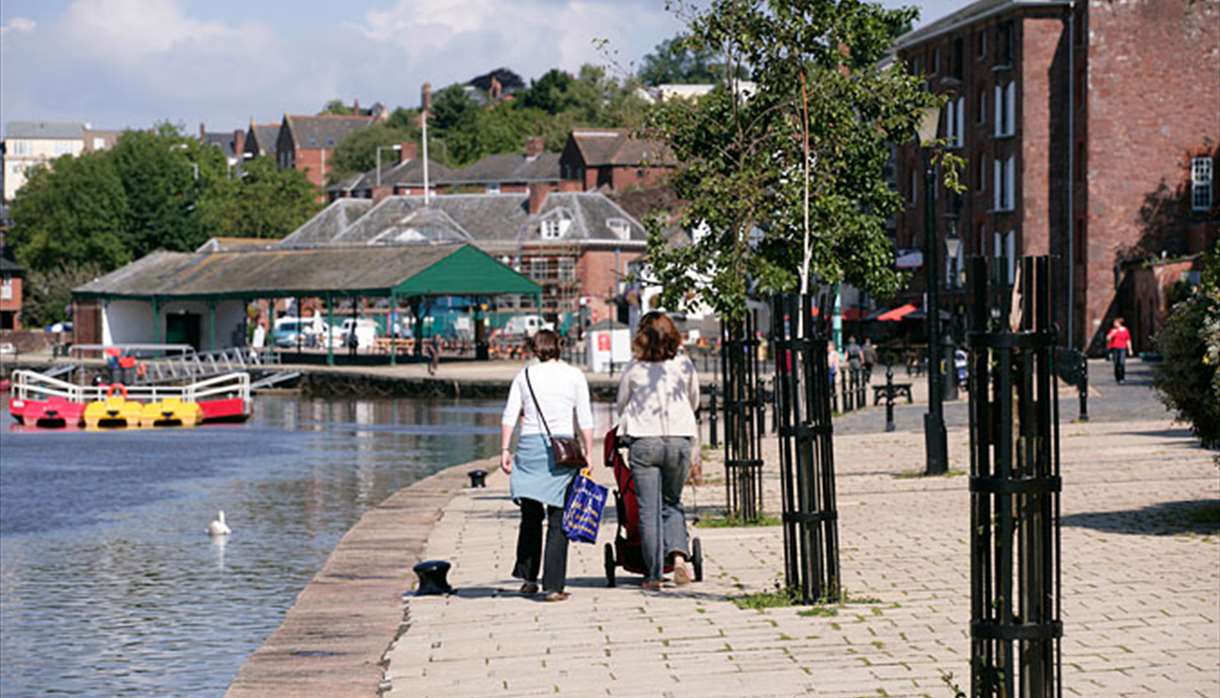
<point x="583" y="512"/>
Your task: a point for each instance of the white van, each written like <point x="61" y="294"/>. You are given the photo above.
<point x="526" y="325"/>
<point x="366" y="332"/>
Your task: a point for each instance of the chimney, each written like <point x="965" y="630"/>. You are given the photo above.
<point x="202" y="130"/>
<point x="425" y="97"/>
<point x="494" y="89"/>
<point x="538" y="192"/>
<point x="239" y="142"/>
<point x="356" y="106"/>
<point x="409" y="152"/>
<point x="534" y="147"/>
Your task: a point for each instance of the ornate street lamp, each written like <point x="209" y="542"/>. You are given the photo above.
<point x="935" y="443"/>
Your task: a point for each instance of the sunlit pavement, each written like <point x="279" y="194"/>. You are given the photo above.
<point x="1141" y="581"/>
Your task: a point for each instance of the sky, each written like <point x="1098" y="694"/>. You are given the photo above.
<point x="131" y="63"/>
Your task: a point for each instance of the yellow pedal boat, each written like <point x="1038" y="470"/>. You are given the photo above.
<point x="171" y="412"/>
<point x="113" y="412"/>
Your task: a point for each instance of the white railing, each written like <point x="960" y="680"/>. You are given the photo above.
<point x="31" y="385"/>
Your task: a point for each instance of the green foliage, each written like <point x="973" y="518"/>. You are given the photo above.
<point x="776" y="598"/>
<point x="358" y="151"/>
<point x="337" y="107"/>
<point x="734" y="522"/>
<point x="674" y="61"/>
<point x="48" y="293"/>
<point x="452" y="108"/>
<point x="788" y="181"/>
<point x="153" y="190"/>
<point x="1188" y="380"/>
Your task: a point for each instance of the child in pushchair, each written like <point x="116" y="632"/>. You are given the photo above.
<point x="626" y="550"/>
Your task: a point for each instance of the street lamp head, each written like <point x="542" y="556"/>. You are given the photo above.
<point x="396" y="146"/>
<point x="929" y="124"/>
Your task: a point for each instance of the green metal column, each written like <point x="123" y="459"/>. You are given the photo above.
<point x="212" y="324"/>
<point x="156" y="310"/>
<point x="329" y="334"/>
<point x="389" y="327"/>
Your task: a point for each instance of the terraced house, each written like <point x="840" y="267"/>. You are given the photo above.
<point x="1090" y="130"/>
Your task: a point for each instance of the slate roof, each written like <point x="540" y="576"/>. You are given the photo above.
<point x="403" y="174"/>
<point x="228" y="244"/>
<point x="307" y="272"/>
<point x="223" y="140"/>
<point x="10" y="266"/>
<point x="265" y="137"/>
<point x="325" y="131"/>
<point x="968" y="14"/>
<point x="329" y="222"/>
<point x="47" y="130"/>
<point x="616" y="146"/>
<point x="491" y="221"/>
<point x="509" y="167"/>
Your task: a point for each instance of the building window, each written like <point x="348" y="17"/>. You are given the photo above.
<point x="935" y="61"/>
<point x="981" y="41"/>
<point x="955" y="121"/>
<point x="1201" y="184"/>
<point x="1004" y="45"/>
<point x="980" y="174"/>
<point x="959" y="57"/>
<point x="1004" y="175"/>
<point x="916" y="65"/>
<point x="6" y="289"/>
<point x="493" y="188"/>
<point x="551" y="229"/>
<point x="1006" y="249"/>
<point x="1005" y="109"/>
<point x="981" y="116"/>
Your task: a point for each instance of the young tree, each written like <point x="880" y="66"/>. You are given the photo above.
<point x="674" y="61"/>
<point x="452" y="108"/>
<point x="264" y="201"/>
<point x="787" y="180"/>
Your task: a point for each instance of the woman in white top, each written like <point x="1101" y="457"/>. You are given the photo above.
<point x="657" y="398"/>
<point x="537" y="484"/>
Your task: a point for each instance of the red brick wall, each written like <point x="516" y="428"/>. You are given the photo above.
<point x="1153" y="100"/>
<point x="87" y="322"/>
<point x="315" y="163"/>
<point x="624" y="177"/>
<point x="14" y="303"/>
<point x="597" y="272"/>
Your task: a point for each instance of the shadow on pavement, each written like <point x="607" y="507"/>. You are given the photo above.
<point x="1201" y="516"/>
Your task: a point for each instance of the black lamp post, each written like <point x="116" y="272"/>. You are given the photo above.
<point x="935" y="446"/>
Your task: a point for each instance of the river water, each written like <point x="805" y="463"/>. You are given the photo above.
<point x="109" y="584"/>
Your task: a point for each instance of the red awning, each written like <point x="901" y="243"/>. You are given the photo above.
<point x="896" y="314"/>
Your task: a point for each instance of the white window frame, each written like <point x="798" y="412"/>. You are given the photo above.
<point x="1005" y="109"/>
<point x="550" y="229"/>
<point x="1004" y="176"/>
<point x="955" y="122"/>
<point x="1202" y="177"/>
<point x="493" y="188"/>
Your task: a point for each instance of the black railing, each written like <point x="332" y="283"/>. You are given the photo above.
<point x="1015" y="483"/>
<point x="807" y="478"/>
<point x="743" y="418"/>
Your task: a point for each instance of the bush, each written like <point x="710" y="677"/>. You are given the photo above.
<point x="1188" y="381"/>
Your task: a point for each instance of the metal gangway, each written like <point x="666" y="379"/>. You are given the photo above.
<point x="31" y="385"/>
<point x="194" y="366"/>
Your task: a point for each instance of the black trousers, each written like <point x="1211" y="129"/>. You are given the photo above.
<point x="529" y="546"/>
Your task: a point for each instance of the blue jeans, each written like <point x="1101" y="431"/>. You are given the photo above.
<point x="1119" y="356"/>
<point x="660" y="465"/>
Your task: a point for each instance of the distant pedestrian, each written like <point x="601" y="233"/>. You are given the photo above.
<point x="260" y="338"/>
<point x="855" y="355"/>
<point x="434" y="354"/>
<point x="832" y="363"/>
<point x="870" y="359"/>
<point x="544" y="395"/>
<point x="1118" y="341"/>
<point x="657" y="398"/>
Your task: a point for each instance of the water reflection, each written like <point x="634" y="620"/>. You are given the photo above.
<point x="109" y="584"/>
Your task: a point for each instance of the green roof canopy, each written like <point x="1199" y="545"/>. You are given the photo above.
<point x="401" y="270"/>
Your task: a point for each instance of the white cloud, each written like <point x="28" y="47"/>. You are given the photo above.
<point x="131" y="62"/>
<point x="17" y="25"/>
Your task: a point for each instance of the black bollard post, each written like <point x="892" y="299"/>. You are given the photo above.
<point x="712" y="418"/>
<point x="432" y="581"/>
<point x="834" y="395"/>
<point x="1084" y="388"/>
<point x="889" y="398"/>
<point x="847" y="407"/>
<point x="478" y="477"/>
<point x="861" y="388"/>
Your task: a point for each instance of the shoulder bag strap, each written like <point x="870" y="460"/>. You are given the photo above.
<point x="541" y="416"/>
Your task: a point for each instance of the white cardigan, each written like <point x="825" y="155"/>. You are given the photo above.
<point x="659" y="398"/>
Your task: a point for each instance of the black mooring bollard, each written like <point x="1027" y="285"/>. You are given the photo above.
<point x="713" y="410"/>
<point x="478" y="478"/>
<point x="889" y="398"/>
<point x="432" y="580"/>
<point x="1084" y="392"/>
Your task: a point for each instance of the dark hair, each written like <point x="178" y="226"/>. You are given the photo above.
<point x="657" y="338"/>
<point x="546" y="345"/>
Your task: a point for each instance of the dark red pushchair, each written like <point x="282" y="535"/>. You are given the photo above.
<point x="626" y="551"/>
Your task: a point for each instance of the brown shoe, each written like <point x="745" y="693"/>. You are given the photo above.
<point x="529" y="588"/>
<point x="554" y="596"/>
<point x="681" y="574"/>
<point x="651" y="585"/>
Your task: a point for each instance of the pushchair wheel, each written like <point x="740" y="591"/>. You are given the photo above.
<point x="696" y="558"/>
<point x="609" y="554"/>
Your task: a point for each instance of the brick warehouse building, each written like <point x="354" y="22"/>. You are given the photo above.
<point x="1135" y="83"/>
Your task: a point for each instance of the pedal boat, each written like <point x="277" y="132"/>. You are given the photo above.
<point x="171" y="412"/>
<point x="113" y="412"/>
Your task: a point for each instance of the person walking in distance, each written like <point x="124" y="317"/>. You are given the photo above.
<point x="657" y="398"/>
<point x="543" y="397"/>
<point x="1118" y="342"/>
<point x="870" y="359"/>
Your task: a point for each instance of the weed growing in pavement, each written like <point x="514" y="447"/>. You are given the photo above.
<point x="735" y="522"/>
<point x="947" y="678"/>
<point x="912" y="474"/>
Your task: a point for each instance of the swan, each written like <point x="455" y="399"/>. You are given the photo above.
<point x="218" y="527"/>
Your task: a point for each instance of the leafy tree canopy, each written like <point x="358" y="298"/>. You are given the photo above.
<point x="787" y="181"/>
<point x="337" y="107"/>
<point x="673" y="61"/>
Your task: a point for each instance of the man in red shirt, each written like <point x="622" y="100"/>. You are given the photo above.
<point x="1118" y="342"/>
